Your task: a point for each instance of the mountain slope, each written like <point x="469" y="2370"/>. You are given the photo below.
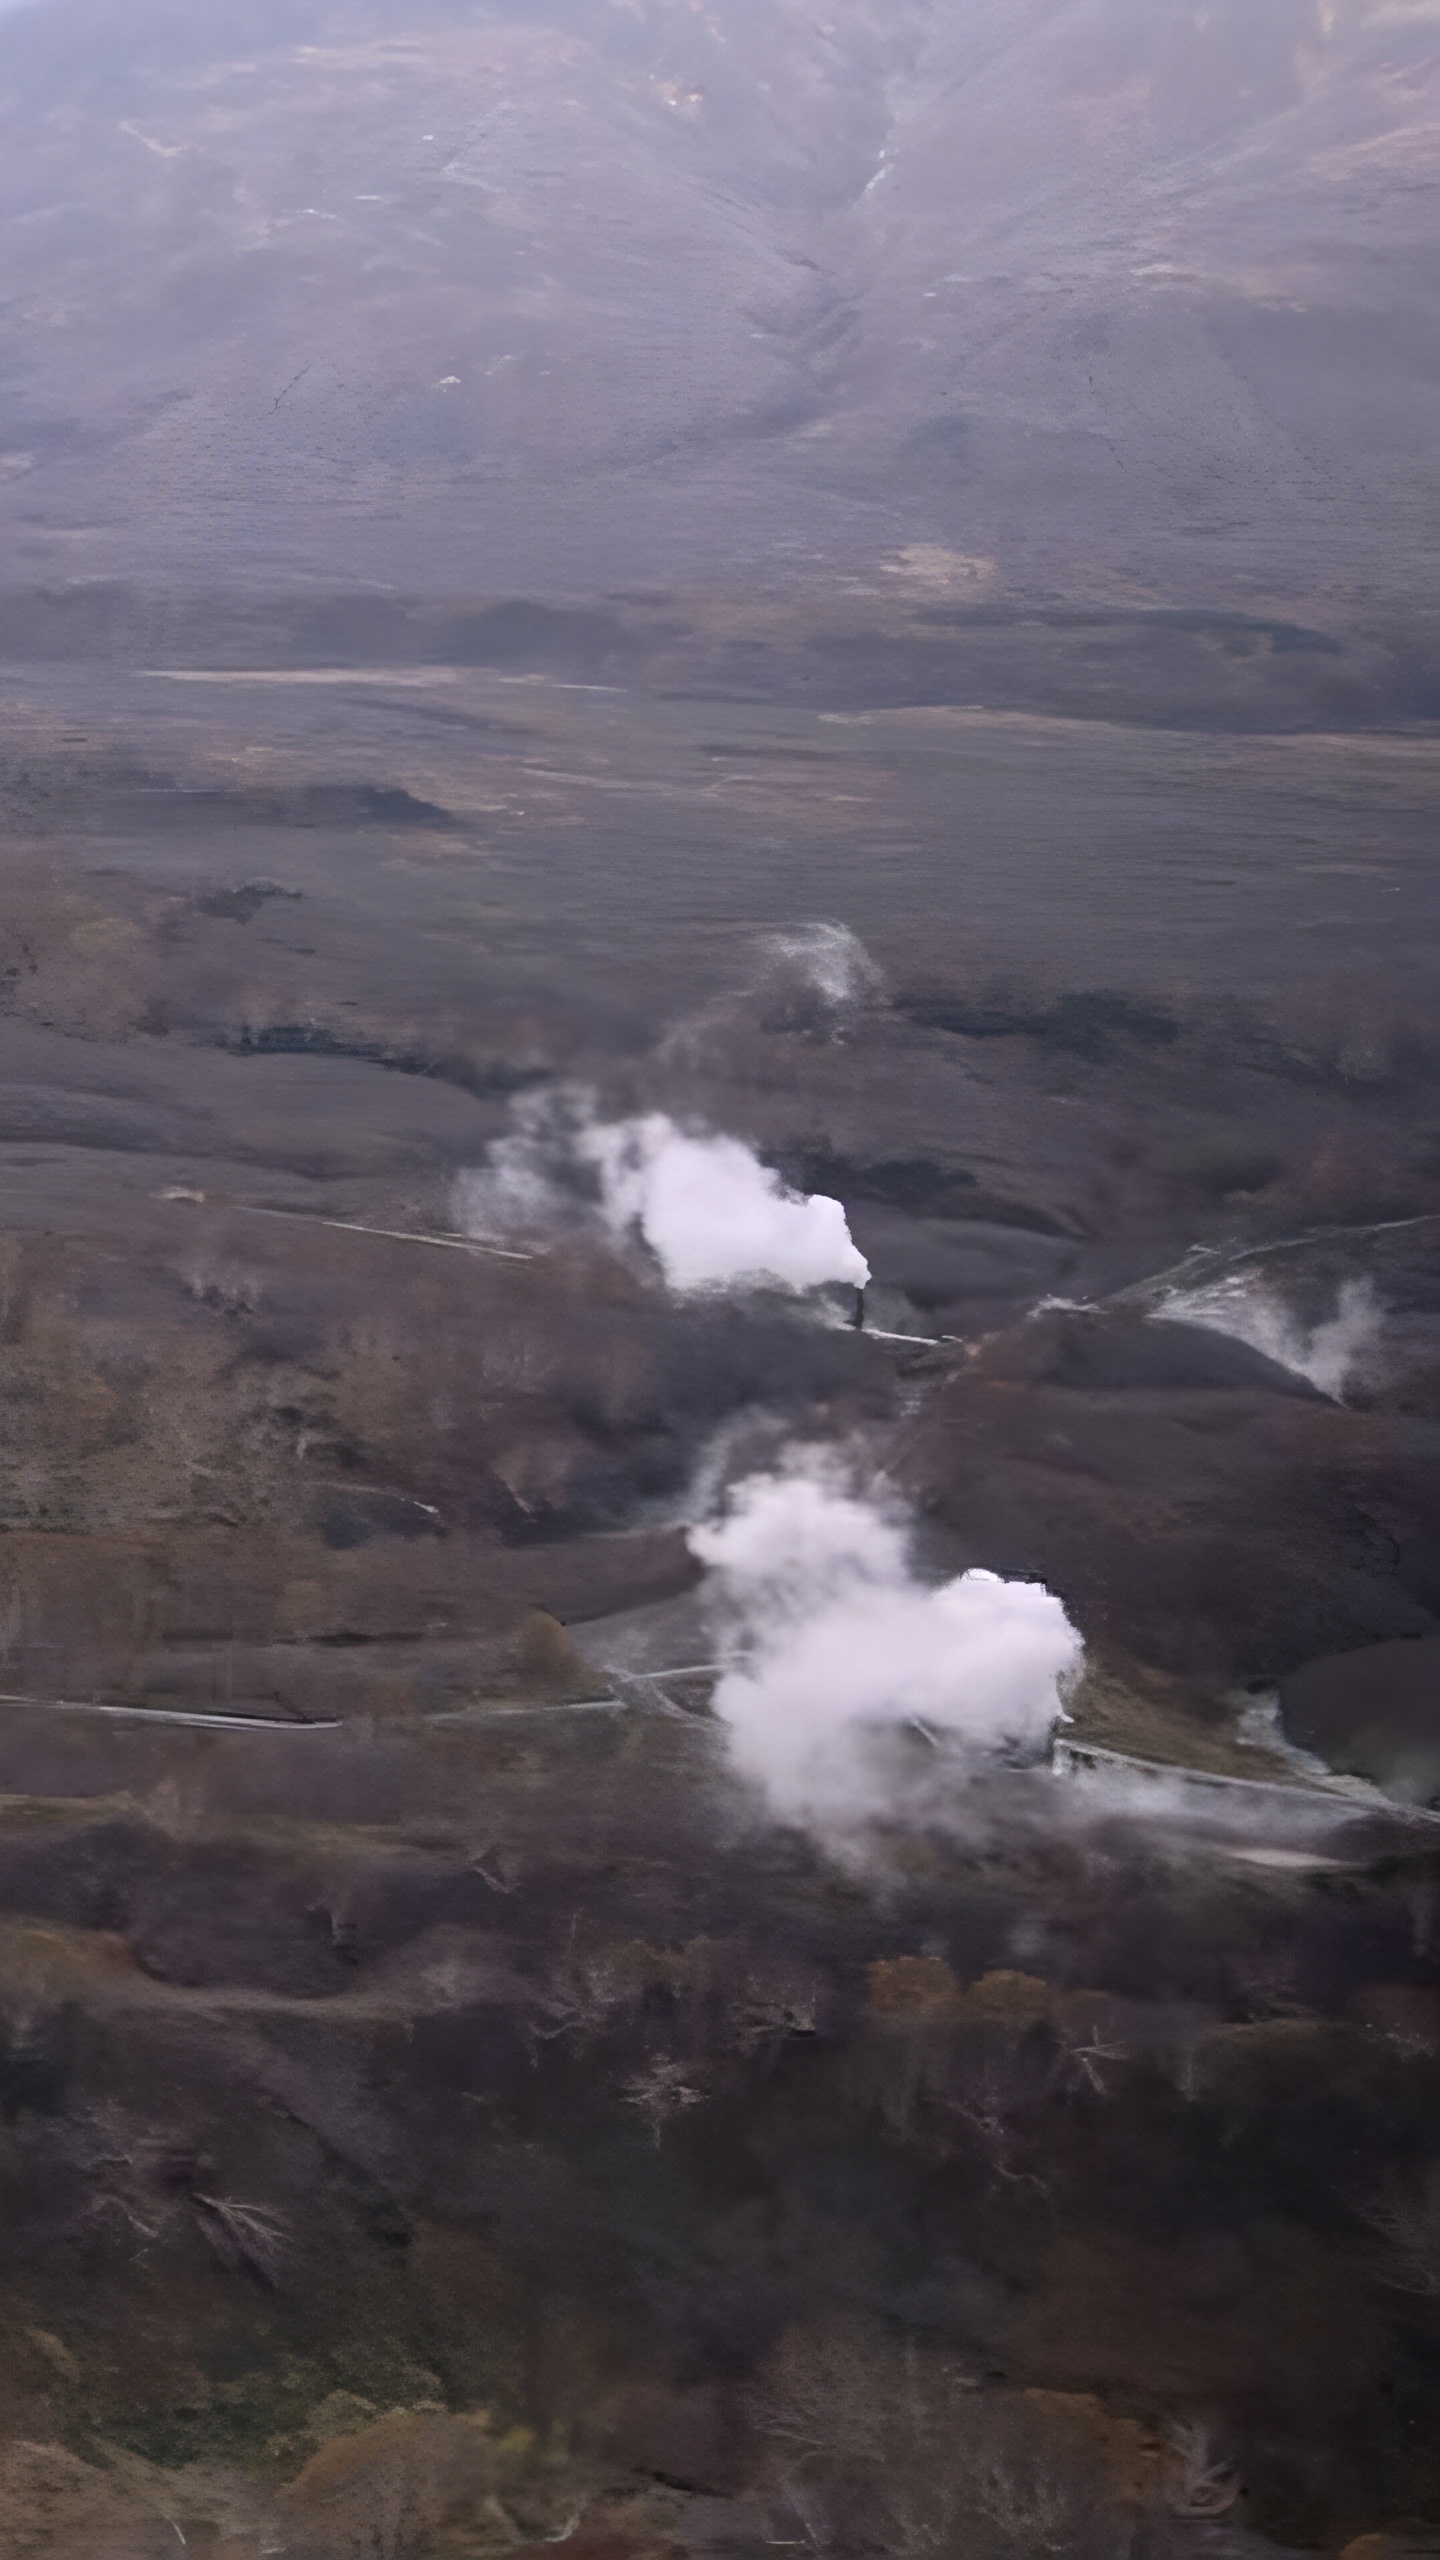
<point x="1078" y="291"/>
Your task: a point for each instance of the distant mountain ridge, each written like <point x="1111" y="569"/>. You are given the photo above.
<point x="1117" y="297"/>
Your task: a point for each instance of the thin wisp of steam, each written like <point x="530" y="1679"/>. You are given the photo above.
<point x="832" y="1644"/>
<point x="810" y="979"/>
<point x="525" y="1188"/>
<point x="830" y="956"/>
<point x="1249" y="1309"/>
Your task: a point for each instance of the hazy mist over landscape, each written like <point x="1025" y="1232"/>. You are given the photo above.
<point x="719" y="1297"/>
<point x="1123" y="297"/>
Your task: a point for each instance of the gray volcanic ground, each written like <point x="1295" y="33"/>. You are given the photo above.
<point x="865" y="582"/>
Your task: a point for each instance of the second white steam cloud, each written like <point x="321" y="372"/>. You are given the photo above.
<point x="833" y="1641"/>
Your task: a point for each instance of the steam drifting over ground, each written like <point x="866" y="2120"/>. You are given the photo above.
<point x="714" y="1217"/>
<point x="830" y="957"/>
<point x="835" y="1647"/>
<point x="811" y="978"/>
<point x="1249" y="1309"/>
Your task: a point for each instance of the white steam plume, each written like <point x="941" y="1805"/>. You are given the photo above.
<point x="833" y="1642"/>
<point x="1250" y="1310"/>
<point x="712" y="1214"/>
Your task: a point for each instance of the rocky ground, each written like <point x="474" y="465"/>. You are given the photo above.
<point x="443" y="2112"/>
